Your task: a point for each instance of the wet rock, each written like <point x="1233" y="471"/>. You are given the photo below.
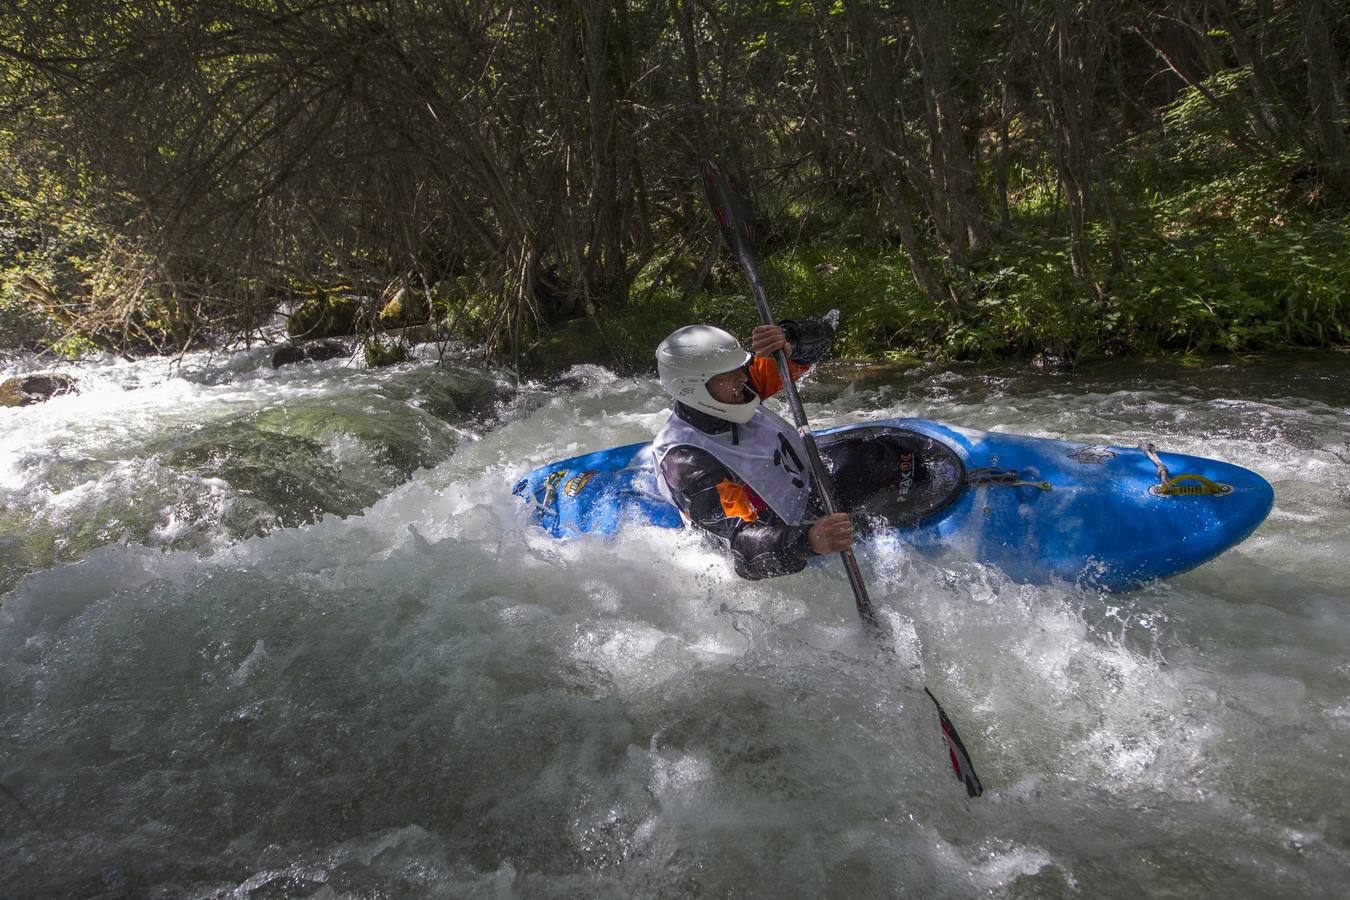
<point x="324" y="350"/>
<point x="325" y="316"/>
<point x="405" y="308"/>
<point x="1048" y="362"/>
<point x="25" y="390"/>
<point x="288" y="354"/>
<point x="416" y="334"/>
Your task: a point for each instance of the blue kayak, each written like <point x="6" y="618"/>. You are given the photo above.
<point x="1106" y="517"/>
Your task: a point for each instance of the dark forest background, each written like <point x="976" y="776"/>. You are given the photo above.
<point x="968" y="178"/>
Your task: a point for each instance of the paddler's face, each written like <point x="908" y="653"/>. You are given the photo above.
<point x="731" y="387"/>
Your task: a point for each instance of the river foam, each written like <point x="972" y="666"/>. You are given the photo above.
<point x="431" y="697"/>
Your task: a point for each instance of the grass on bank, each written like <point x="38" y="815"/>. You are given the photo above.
<point x="1198" y="289"/>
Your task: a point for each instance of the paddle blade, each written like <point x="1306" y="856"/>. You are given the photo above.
<point x="956" y="750"/>
<point x="735" y="215"/>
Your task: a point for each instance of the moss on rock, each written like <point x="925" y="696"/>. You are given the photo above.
<point x="25" y="390"/>
<point x="329" y="315"/>
<point x="405" y="308"/>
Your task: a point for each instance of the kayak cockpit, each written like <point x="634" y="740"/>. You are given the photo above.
<point x="893" y="476"/>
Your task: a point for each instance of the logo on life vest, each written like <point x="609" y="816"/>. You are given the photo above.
<point x="906" y="474"/>
<point x="787" y="458"/>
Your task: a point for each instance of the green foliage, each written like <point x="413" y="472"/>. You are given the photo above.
<point x="624" y="339"/>
<point x="40" y="243"/>
<point x="1221" y="286"/>
<point x="1231" y="289"/>
<point x="379" y="351"/>
<point x="21" y="326"/>
<point x="174" y="173"/>
<point x="1201" y="121"/>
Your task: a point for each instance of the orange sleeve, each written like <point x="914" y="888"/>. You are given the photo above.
<point x="764" y="375"/>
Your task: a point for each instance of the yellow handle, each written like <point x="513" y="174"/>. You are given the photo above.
<point x="1190" y="485"/>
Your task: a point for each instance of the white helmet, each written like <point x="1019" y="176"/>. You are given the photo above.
<point x="693" y="354"/>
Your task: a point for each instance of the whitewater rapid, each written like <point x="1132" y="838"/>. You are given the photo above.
<point x="360" y="670"/>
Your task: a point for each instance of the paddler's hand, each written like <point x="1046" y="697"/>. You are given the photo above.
<point x="832" y="534"/>
<point x="765" y="339"/>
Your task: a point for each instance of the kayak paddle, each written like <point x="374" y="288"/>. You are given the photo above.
<point x="735" y="217"/>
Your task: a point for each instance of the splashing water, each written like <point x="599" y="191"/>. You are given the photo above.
<point x="385" y="680"/>
<point x="200" y="453"/>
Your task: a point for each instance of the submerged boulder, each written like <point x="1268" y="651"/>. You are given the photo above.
<point x="288" y="354"/>
<point x="25" y="390"/>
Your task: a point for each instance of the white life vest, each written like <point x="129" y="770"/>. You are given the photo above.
<point x="768" y="455"/>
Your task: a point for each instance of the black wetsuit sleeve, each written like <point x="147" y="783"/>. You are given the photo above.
<point x="759" y="549"/>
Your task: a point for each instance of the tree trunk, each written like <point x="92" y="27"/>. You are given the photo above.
<point x="684" y="17"/>
<point x="955" y="202"/>
<point x="1004" y="145"/>
<point x="1275" y="113"/>
<point x="1326" y="92"/>
<point x="892" y="160"/>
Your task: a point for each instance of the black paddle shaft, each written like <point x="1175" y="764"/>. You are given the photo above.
<point x="736" y="218"/>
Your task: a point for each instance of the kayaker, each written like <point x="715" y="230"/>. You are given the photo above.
<point x="734" y="469"/>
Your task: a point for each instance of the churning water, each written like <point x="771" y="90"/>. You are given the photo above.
<point x="288" y="633"/>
